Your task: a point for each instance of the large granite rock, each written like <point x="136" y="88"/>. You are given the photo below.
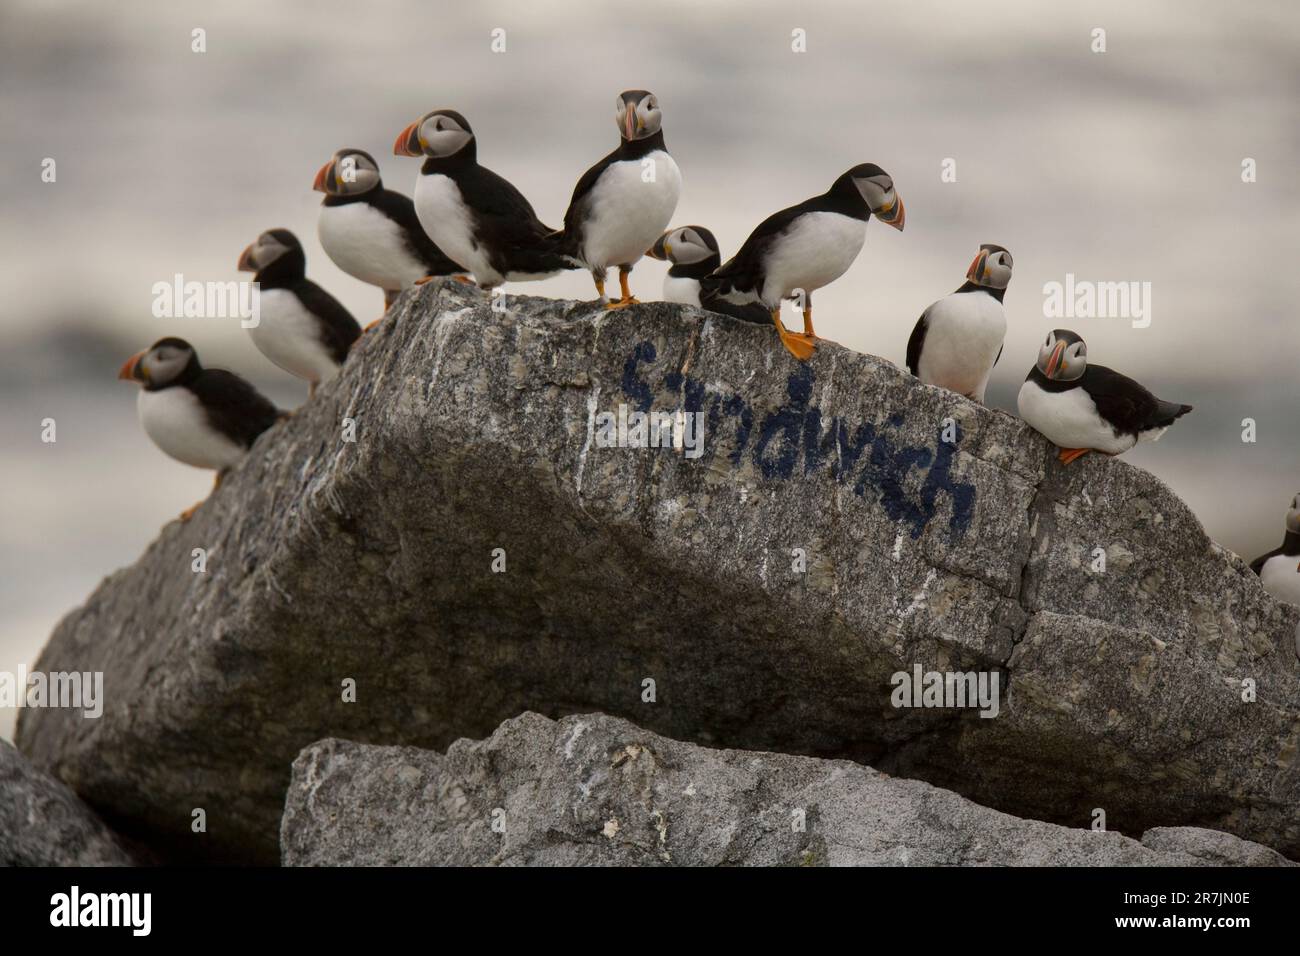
<point x="597" y="790"/>
<point x="42" y="823"/>
<point x="843" y="523"/>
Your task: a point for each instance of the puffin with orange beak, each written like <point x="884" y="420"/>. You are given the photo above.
<point x="204" y="417"/>
<point x="473" y="215"/>
<point x="800" y="249"/>
<point x="370" y="232"/>
<point x="1082" y="407"/>
<point x="958" y="340"/>
<point x="693" y="253"/>
<point x="624" y="203"/>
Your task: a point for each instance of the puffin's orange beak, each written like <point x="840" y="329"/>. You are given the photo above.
<point x="246" y="260"/>
<point x="660" y="249"/>
<point x="131" y="370"/>
<point x="895" y="216"/>
<point x="1054" y="360"/>
<point x="322" y="178"/>
<point x="405" y="144"/>
<point x="977" y="266"/>
<point x="629" y="122"/>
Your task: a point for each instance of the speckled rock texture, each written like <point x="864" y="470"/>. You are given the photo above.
<point x="42" y="823"/>
<point x="842" y="524"/>
<point x="597" y="790"/>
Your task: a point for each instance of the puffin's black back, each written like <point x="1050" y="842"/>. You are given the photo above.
<point x="232" y="405"/>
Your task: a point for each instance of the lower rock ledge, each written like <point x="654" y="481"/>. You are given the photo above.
<point x="597" y="790"/>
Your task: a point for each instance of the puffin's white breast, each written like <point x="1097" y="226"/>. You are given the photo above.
<point x="176" y="422"/>
<point x="1069" y="419"/>
<point x="627" y="214"/>
<point x="683" y="290"/>
<point x="963" y="336"/>
<point x="1280" y="576"/>
<point x="290" y="336"/>
<point x="814" y="250"/>
<point x="367" y="245"/>
<point x="448" y="221"/>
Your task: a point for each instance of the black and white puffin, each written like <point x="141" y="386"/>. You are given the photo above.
<point x="693" y="252"/>
<point x="958" y="339"/>
<point x="205" y="417"/>
<point x="301" y="328"/>
<point x="1279" y="570"/>
<point x="806" y="247"/>
<point x="627" y="199"/>
<point x="370" y="232"/>
<point x="473" y="215"/>
<point x="1081" y="407"/>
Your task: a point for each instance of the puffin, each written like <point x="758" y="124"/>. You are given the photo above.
<point x="204" y="417"/>
<point x="805" y="247"/>
<point x="693" y="252"/>
<point x="475" y="216"/>
<point x="1081" y="407"/>
<point x="1279" y="570"/>
<point x="624" y="202"/>
<point x="370" y="232"/>
<point x="958" y="340"/>
<point x="303" y="329"/>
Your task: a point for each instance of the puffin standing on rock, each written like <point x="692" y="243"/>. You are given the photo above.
<point x="370" y="232"/>
<point x="693" y="252"/>
<point x="806" y="247"/>
<point x="205" y="417"/>
<point x="1082" y="407"/>
<point x="1279" y="570"/>
<point x="472" y="214"/>
<point x="302" y="328"/>
<point x="958" y="339"/>
<point x="623" y="203"/>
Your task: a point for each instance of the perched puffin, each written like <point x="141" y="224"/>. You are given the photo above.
<point x="472" y="214"/>
<point x="205" y="417"/>
<point x="958" y="339"/>
<point x="370" y="232"/>
<point x="1279" y="570"/>
<point x="806" y="247"/>
<point x="1082" y="407"/>
<point x="303" y="329"/>
<point x="693" y="252"/>
<point x="623" y="203"/>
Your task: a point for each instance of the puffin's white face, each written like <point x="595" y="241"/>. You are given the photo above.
<point x="877" y="189"/>
<point x="1293" y="516"/>
<point x="1063" y="357"/>
<point x="637" y="114"/>
<point x="991" y="267"/>
<point x="685" y="246"/>
<point x="441" y="135"/>
<point x="159" y="365"/>
<point x="350" y="173"/>
<point x="264" y="250"/>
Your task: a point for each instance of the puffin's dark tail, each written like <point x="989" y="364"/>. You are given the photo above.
<point x="1167" y="412"/>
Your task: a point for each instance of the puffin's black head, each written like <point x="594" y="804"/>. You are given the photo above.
<point x="439" y="134"/>
<point x="685" y="246"/>
<point x="350" y="172"/>
<point x="277" y="247"/>
<point x="1063" y="356"/>
<point x="1293" y="516"/>
<point x="637" y="114"/>
<point x="991" y="267"/>
<point x="169" y="361"/>
<point x="877" y="188"/>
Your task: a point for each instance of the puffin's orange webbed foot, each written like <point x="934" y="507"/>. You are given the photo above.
<point x="1067" y="455"/>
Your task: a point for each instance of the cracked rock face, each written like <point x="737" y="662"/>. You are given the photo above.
<point x="42" y="823"/>
<point x="843" y="523"/>
<point x="596" y="790"/>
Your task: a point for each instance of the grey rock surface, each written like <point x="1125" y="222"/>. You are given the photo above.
<point x="43" y="823"/>
<point x="827" y="538"/>
<point x="597" y="790"/>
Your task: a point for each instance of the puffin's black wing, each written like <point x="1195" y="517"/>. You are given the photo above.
<point x="1258" y="564"/>
<point x="504" y="220"/>
<point x="743" y="272"/>
<point x="917" y="341"/>
<point x="233" y="406"/>
<point x="580" y="202"/>
<point x="752" y="312"/>
<point x="338" y="330"/>
<point x="1126" y="404"/>
<point x="401" y="210"/>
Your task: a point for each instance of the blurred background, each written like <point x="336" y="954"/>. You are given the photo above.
<point x="1116" y="166"/>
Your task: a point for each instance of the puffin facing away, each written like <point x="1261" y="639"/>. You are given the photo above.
<point x="623" y="203"/>
<point x="1279" y="570"/>
<point x="693" y="252"/>
<point x="806" y="247"/>
<point x="472" y="214"/>
<point x="958" y="339"/>
<point x="302" y="328"/>
<point x="205" y="417"/>
<point x="1082" y="407"/>
<point x="370" y="232"/>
